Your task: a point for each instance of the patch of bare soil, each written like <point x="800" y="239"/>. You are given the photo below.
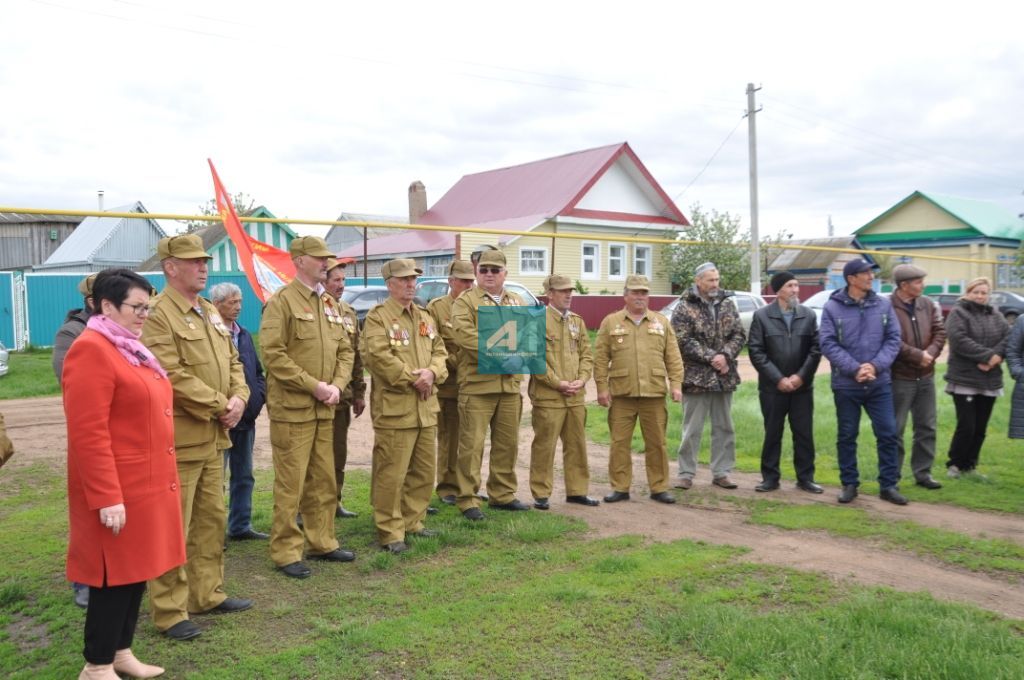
<point x="27" y="634"/>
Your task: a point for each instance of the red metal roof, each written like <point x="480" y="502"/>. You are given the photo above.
<point x="404" y="242"/>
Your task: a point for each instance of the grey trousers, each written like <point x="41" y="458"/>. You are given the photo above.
<point x="916" y="398"/>
<point x="696" y="409"/>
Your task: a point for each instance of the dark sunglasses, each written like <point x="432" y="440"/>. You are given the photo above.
<point x="490" y="270"/>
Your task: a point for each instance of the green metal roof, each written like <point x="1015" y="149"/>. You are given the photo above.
<point x="988" y="219"/>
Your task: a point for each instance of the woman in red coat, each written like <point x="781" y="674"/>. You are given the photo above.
<point x="123" y="498"/>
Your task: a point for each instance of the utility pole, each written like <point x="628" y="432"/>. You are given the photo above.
<point x="755" y="237"/>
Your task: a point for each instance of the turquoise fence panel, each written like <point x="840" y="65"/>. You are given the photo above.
<point x="7" y="309"/>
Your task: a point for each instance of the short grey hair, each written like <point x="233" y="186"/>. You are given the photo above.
<point x="222" y="291"/>
<point x="706" y="267"/>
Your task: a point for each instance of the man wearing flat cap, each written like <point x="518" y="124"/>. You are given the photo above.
<point x="922" y="337"/>
<point x="707" y="326"/>
<point x="353" y="398"/>
<point x="406" y="358"/>
<point x="308" y="359"/>
<point x="784" y="349"/>
<point x="191" y="341"/>
<point x="486" y="400"/>
<point x="861" y="339"/>
<point x="460" y="279"/>
<point x="636" y="364"/>
<point x="558" y="398"/>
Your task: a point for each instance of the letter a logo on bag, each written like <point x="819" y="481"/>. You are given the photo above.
<point x="505" y="337"/>
<point x="510" y="340"/>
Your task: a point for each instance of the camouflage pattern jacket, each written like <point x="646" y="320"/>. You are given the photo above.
<point x="703" y="329"/>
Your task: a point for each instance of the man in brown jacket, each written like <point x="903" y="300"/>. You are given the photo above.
<point x="922" y="337"/>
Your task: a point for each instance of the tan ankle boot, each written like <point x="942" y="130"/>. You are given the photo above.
<point x="125" y="662"/>
<point x="98" y="672"/>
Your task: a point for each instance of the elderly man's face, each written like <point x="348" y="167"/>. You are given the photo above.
<point x="230" y="307"/>
<point x="312" y="268"/>
<point x="707" y="282"/>
<point x="912" y="288"/>
<point x="335" y="283"/>
<point x="402" y="289"/>
<point x="637" y="301"/>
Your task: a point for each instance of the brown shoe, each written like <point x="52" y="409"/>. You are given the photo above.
<point x="684" y="483"/>
<point x="724" y="482"/>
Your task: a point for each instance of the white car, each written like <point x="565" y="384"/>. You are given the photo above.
<point x="817" y="302"/>
<point x="746" y="303"/>
<point x="4" y="359"/>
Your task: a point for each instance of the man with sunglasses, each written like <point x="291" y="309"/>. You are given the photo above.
<point x="190" y="339"/>
<point x="486" y="400"/>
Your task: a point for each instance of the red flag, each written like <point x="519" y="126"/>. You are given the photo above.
<point x="267" y="268"/>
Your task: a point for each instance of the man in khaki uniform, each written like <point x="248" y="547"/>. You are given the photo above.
<point x="558" y="400"/>
<point x="190" y="340"/>
<point x="353" y="399"/>
<point x="460" y="279"/>
<point x="636" y="353"/>
<point x="406" y="357"/>
<point x="486" y="400"/>
<point x="308" y="359"/>
<point x="6" y="447"/>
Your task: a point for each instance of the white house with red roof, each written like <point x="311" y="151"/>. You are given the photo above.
<point x="605" y="192"/>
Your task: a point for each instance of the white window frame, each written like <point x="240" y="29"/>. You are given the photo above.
<point x="647" y="260"/>
<point x="596" y="274"/>
<point x="543" y="263"/>
<point x="623" y="262"/>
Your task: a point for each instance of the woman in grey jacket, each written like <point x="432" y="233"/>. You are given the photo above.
<point x="977" y="344"/>
<point x="1015" y="364"/>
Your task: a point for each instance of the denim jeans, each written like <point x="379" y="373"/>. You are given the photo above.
<point x="876" y="400"/>
<point x="239" y="459"/>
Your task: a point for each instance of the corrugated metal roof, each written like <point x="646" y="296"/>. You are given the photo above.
<point x="405" y="242"/>
<point x="794" y="259"/>
<point x="21" y="218"/>
<point x="987" y="218"/>
<point x="94" y="232"/>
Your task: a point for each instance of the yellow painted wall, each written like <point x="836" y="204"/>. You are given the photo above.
<point x="918" y="215"/>
<point x="961" y="272"/>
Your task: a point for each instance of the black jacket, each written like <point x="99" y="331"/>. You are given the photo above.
<point x="778" y="352"/>
<point x="253" y="378"/>
<point x="976" y="333"/>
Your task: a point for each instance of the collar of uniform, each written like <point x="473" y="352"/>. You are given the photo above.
<point x="648" y="316"/>
<point x="394" y="309"/>
<point x="484" y="295"/>
<point x="304" y="290"/>
<point x="560" y="315"/>
<point x="183" y="305"/>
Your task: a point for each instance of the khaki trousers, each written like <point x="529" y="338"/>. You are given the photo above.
<point x="477" y="412"/>
<point x="403" y="479"/>
<point x="549" y="425"/>
<point x="653" y="417"/>
<point x="198" y="585"/>
<point x="342" y="419"/>
<point x="303" y="482"/>
<point x="448" y="448"/>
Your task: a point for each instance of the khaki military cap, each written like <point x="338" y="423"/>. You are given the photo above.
<point x="557" y="282"/>
<point x="400" y="267"/>
<point x="492" y="258"/>
<point x="85" y="285"/>
<point x="461" y="269"/>
<point x="309" y="245"/>
<point x="637" y="282"/>
<point x="183" y="247"/>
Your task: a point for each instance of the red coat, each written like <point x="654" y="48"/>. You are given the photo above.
<point x="120" y="450"/>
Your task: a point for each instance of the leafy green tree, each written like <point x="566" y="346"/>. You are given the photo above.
<point x="243" y="202"/>
<point x="720" y="240"/>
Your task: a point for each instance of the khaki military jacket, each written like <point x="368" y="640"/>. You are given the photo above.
<point x="395" y="342"/>
<point x="357" y="386"/>
<point x="6" y="447"/>
<point x="633" y="360"/>
<point x="441" y="309"/>
<point x="569" y="357"/>
<point x="464" y="320"/>
<point x="202" y="364"/>
<point x="304" y="342"/>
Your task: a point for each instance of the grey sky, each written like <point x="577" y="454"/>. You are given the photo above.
<point x="322" y="107"/>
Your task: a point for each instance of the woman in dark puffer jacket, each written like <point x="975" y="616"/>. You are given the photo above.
<point x="977" y="345"/>
<point x="1015" y="364"/>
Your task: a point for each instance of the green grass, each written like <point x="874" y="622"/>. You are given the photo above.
<point x="1002" y="459"/>
<point x="30" y="375"/>
<point x="521" y="595"/>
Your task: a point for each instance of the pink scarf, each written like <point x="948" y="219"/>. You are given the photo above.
<point x="126" y="342"/>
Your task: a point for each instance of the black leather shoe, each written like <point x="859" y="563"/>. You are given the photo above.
<point x="663" y="497"/>
<point x="295" y="570"/>
<point x="341" y="512"/>
<point x="541" y="504"/>
<point x="893" y="495"/>
<point x="231" y="605"/>
<point x="183" y="630"/>
<point x="582" y="500"/>
<point x="928" y="483"/>
<point x="431" y="510"/>
<point x="512" y="505"/>
<point x="616" y="496"/>
<point x="473" y="514"/>
<point x="249" y="535"/>
<point x="395" y="547"/>
<point x="82" y="597"/>
<point x="338" y="555"/>
<point x="765" y="487"/>
<point x="809" y="486"/>
<point x="448" y="500"/>
<point x="848" y="493"/>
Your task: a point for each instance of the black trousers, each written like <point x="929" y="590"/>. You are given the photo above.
<point x="110" y="620"/>
<point x="972" y="414"/>
<point x="799" y="406"/>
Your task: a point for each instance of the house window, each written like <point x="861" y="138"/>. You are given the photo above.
<point x="642" y="260"/>
<point x="437" y="266"/>
<point x="589" y="262"/>
<point x="616" y="261"/>
<point x="533" y="261"/>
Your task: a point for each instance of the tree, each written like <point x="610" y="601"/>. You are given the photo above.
<point x="720" y="241"/>
<point x="243" y="202"/>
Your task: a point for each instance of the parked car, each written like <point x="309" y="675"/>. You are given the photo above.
<point x="817" y="302"/>
<point x="945" y="301"/>
<point x="428" y="290"/>
<point x="746" y="303"/>
<point x="5" y="357"/>
<point x="364" y="298"/>
<point x="1010" y="305"/>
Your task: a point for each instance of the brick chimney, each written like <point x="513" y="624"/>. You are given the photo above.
<point x="417" y="201"/>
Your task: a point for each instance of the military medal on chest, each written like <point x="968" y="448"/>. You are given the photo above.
<point x="619" y="333"/>
<point x="395" y="336"/>
<point x="427" y="330"/>
<point x="656" y="328"/>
